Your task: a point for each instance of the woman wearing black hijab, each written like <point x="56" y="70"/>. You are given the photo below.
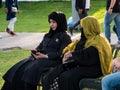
<point x="25" y="75"/>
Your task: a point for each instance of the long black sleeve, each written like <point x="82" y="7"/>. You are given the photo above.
<point x="86" y="56"/>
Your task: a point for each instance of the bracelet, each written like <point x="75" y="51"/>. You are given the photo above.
<point x="111" y="8"/>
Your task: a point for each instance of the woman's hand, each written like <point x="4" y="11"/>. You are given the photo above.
<point x="80" y="11"/>
<point x="67" y="55"/>
<point x="39" y="55"/>
<point x="110" y="10"/>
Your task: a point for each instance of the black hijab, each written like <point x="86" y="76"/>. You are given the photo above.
<point x="60" y="18"/>
<point x="81" y="43"/>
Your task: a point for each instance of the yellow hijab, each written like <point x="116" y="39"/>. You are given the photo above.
<point x="91" y="29"/>
<point x="71" y="46"/>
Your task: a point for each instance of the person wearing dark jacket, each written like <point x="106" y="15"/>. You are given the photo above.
<point x="0" y="7"/>
<point x="92" y="59"/>
<point x="82" y="7"/>
<point x="11" y="8"/>
<point x="25" y="75"/>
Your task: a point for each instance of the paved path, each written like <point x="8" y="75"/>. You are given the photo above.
<point x="21" y="40"/>
<point x="26" y="40"/>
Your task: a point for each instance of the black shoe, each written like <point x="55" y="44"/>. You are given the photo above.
<point x="71" y="30"/>
<point x="12" y="33"/>
<point x="8" y="30"/>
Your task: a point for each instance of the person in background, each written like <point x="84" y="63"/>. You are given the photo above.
<point x="112" y="13"/>
<point x="92" y="58"/>
<point x="11" y="8"/>
<point x="0" y="3"/>
<point x="111" y="81"/>
<point x="25" y="75"/>
<point x="69" y="23"/>
<point x="0" y="7"/>
<point x="82" y="7"/>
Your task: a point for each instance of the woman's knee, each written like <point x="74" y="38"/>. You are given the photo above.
<point x="106" y="81"/>
<point x="66" y="76"/>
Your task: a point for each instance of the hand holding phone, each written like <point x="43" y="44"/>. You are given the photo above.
<point x="33" y="51"/>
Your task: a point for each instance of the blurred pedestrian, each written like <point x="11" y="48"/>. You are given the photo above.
<point x="11" y="8"/>
<point x="82" y="7"/>
<point x="0" y="7"/>
<point x="112" y="13"/>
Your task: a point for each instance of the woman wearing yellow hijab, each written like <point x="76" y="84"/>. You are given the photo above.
<point x="96" y="39"/>
<point x="92" y="55"/>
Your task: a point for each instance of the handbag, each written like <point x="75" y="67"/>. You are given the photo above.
<point x="52" y="78"/>
<point x="63" y="67"/>
<point x="14" y="9"/>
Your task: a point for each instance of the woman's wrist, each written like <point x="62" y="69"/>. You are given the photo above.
<point x="110" y="7"/>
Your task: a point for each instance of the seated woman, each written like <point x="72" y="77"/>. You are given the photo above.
<point x="25" y="75"/>
<point x="92" y="56"/>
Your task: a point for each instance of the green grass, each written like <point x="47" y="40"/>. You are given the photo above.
<point x="33" y="15"/>
<point x="33" y="18"/>
<point x="8" y="58"/>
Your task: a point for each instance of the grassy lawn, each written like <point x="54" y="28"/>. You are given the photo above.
<point x="33" y="15"/>
<point x="33" y="18"/>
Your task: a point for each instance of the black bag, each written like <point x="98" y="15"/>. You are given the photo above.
<point x="50" y="80"/>
<point x="14" y="9"/>
<point x="69" y="64"/>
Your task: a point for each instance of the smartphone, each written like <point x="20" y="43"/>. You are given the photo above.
<point x="33" y="51"/>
